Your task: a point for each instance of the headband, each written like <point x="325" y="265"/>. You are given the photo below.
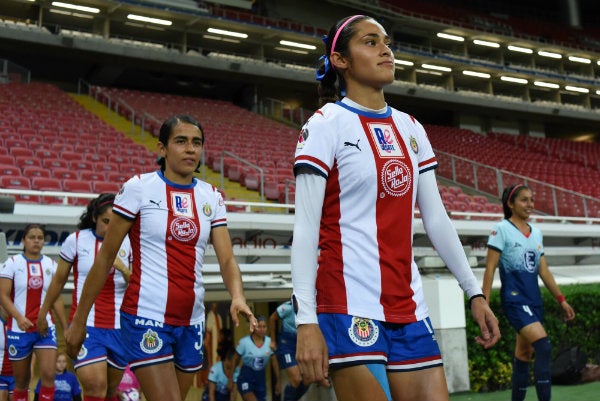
<point x="513" y="191"/>
<point x="340" y="29"/>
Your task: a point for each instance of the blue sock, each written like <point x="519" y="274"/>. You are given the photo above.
<point x="300" y="390"/>
<point x="541" y="368"/>
<point x="289" y="393"/>
<point x="520" y="379"/>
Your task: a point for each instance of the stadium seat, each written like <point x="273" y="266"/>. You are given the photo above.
<point x="46" y="153"/>
<point x="9" y="170"/>
<point x="7" y="160"/>
<point x="71" y="185"/>
<point x="272" y="190"/>
<point x="19" y="152"/>
<point x="106" y="187"/>
<point x="15" y="182"/>
<point x="46" y="184"/>
<point x="62" y="173"/>
<point x="54" y="163"/>
<point x="118" y="177"/>
<point x="24" y="161"/>
<point x="71" y="155"/>
<point x="33" y="171"/>
<point x="90" y="175"/>
<point x="81" y="165"/>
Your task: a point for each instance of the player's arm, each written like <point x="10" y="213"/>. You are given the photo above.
<point x="273" y="319"/>
<point x="59" y="311"/>
<point x="491" y="262"/>
<point x="550" y="283"/>
<point x="52" y="294"/>
<point x="445" y="240"/>
<point x="6" y="286"/>
<point x="232" y="277"/>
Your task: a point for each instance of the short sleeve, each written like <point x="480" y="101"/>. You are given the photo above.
<point x="8" y="270"/>
<point x="316" y="148"/>
<point x="128" y="201"/>
<point x="220" y="216"/>
<point x="496" y="238"/>
<point x="68" y="250"/>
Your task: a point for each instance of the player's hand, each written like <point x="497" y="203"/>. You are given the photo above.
<point x="42" y="325"/>
<point x="24" y="323"/>
<point x="312" y="355"/>
<point x="487" y="321"/>
<point x="568" y="311"/>
<point x="74" y="336"/>
<point x="238" y="305"/>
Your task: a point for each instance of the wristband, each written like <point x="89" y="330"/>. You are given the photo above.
<point x="476" y="296"/>
<point x="560" y="298"/>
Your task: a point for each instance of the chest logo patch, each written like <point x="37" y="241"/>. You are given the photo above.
<point x="182" y="204"/>
<point x="363" y="332"/>
<point x="396" y="178"/>
<point x="183" y="229"/>
<point x="385" y="139"/>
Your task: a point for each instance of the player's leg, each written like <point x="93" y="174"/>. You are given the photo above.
<point x="419" y="385"/>
<point x="533" y="337"/>
<point x="361" y="382"/>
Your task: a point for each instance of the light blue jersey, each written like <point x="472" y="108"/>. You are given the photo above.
<point x="285" y="311"/>
<point x="219" y="378"/>
<point x="252" y="356"/>
<point x="519" y="262"/>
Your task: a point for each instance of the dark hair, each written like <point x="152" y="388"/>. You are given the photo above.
<point x="94" y="209"/>
<point x="261" y="318"/>
<point x="327" y="90"/>
<point x="33" y="226"/>
<point x="166" y="130"/>
<point x="509" y="194"/>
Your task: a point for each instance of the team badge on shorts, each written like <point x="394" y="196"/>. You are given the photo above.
<point x="82" y="352"/>
<point x="363" y="332"/>
<point x="151" y="342"/>
<point x="12" y="350"/>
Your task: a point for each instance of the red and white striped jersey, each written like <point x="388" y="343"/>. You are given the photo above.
<point x="80" y="249"/>
<point x="5" y="365"/>
<point x="31" y="279"/>
<point x="371" y="162"/>
<point x="170" y="232"/>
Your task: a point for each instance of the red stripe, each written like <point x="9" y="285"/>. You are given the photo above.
<point x="34" y="296"/>
<point x="75" y="276"/>
<point x="104" y="306"/>
<point x="313" y="160"/>
<point x="426" y="162"/>
<point x="181" y="262"/>
<point x="394" y="236"/>
<point x="331" y="298"/>
<point x="417" y="360"/>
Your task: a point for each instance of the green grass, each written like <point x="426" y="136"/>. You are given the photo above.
<point x="580" y="392"/>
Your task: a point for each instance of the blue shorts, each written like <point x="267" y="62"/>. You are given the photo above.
<point x="252" y="381"/>
<point x="286" y="350"/>
<point x="520" y="316"/>
<point x="358" y="341"/>
<point x="7" y="383"/>
<point x="148" y="342"/>
<point x="102" y="345"/>
<point x="21" y="345"/>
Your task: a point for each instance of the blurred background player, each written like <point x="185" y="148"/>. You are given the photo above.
<point x="65" y="383"/>
<point x="7" y="382"/>
<point x="222" y="379"/>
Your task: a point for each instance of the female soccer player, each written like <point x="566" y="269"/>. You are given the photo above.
<point x="360" y="168"/>
<point x="24" y="280"/>
<point x="100" y="364"/>
<point x="515" y="246"/>
<point x="170" y="217"/>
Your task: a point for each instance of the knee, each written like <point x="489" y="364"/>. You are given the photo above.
<point x="543" y="346"/>
<point x="94" y="388"/>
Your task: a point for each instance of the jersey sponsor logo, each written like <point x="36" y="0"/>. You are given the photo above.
<point x="147" y="322"/>
<point x="396" y="178"/>
<point x="182" y="204"/>
<point x="151" y="343"/>
<point x="529" y="257"/>
<point x="35" y="283"/>
<point x="82" y="352"/>
<point x="385" y="139"/>
<point x="183" y="229"/>
<point x="302" y="138"/>
<point x="35" y="269"/>
<point x="363" y="332"/>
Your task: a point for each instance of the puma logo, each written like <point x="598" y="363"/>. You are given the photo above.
<point x="353" y="144"/>
<point x="155" y="203"/>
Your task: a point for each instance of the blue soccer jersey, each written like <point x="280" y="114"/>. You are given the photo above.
<point x="285" y="311"/>
<point x="219" y="378"/>
<point x="519" y="262"/>
<point x="252" y="356"/>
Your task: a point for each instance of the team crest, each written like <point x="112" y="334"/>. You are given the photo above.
<point x="12" y="350"/>
<point x="414" y="145"/>
<point x="396" y="178"/>
<point x="363" y="332"/>
<point x="82" y="352"/>
<point x="151" y="343"/>
<point x="206" y="209"/>
<point x="122" y="253"/>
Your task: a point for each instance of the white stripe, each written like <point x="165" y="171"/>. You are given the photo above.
<point x="417" y="365"/>
<point x="357" y="358"/>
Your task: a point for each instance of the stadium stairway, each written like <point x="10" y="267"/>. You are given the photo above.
<point x="233" y="190"/>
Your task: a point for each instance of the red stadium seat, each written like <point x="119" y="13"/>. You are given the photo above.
<point x="69" y="155"/>
<point x="106" y="187"/>
<point x="18" y="152"/>
<point x="118" y="177"/>
<point x="87" y="175"/>
<point x="54" y="163"/>
<point x="46" y="184"/>
<point x="9" y="170"/>
<point x="64" y="173"/>
<point x="71" y="185"/>
<point x="15" y="182"/>
<point x="81" y="165"/>
<point x="36" y="172"/>
<point x="7" y="160"/>
<point x="25" y="161"/>
<point x="46" y="153"/>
